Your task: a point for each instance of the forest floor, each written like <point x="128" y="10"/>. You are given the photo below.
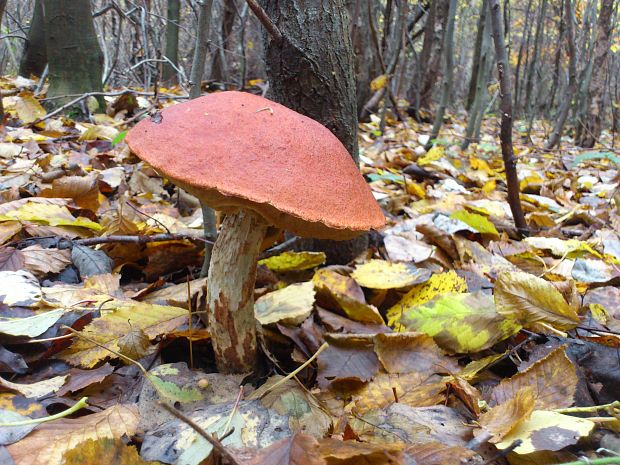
<point x="453" y="340"/>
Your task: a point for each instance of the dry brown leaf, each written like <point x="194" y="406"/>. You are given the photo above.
<point x="79" y="379"/>
<point x="296" y="450"/>
<point x="553" y="378"/>
<point x="501" y="419"/>
<point x="412" y="352"/>
<point x="50" y="441"/>
<point x="83" y="190"/>
<point x="347" y="359"/>
<point x="40" y="261"/>
<point x="11" y="259"/>
<point x="410" y="389"/>
<point x="337" y="452"/>
<point x="8" y="229"/>
<point x="135" y="344"/>
<point x="435" y="453"/>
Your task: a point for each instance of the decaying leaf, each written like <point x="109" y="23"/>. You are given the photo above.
<point x="503" y="418"/>
<point x="553" y="378"/>
<point x="546" y="430"/>
<point x="34" y="390"/>
<point x="531" y="300"/>
<point x="52" y="440"/>
<point x="460" y="323"/>
<point x="111" y="451"/>
<point x="113" y="324"/>
<point x="347" y="360"/>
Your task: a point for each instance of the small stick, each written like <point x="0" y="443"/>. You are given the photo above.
<point x="265" y="20"/>
<point x="189" y="308"/>
<point x="217" y="445"/>
<point x="301" y="367"/>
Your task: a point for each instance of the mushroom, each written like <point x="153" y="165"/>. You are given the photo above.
<point x="262" y="164"/>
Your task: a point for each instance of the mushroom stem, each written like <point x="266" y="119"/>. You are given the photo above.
<point x="230" y="295"/>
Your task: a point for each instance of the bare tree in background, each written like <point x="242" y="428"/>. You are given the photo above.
<point x="173" y="17"/>
<point x="34" y="56"/>
<point x="75" y="57"/>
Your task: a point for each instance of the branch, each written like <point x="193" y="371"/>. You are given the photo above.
<point x="273" y="30"/>
<point x="217" y="445"/>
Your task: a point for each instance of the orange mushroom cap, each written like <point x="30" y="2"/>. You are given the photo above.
<point x="237" y="150"/>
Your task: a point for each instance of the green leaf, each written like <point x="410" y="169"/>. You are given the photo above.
<point x="595" y="156"/>
<point x="120" y="137"/>
<point x="479" y="222"/>
<point x="460" y="323"/>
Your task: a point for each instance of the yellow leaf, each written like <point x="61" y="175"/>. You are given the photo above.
<point x="95" y="132"/>
<point x="28" y="108"/>
<point x="104" y="450"/>
<point x="480" y="164"/>
<point x="437" y="152"/>
<point x="414" y="188"/>
<point x="479" y="222"/>
<point x="52" y="215"/>
<point x="35" y="390"/>
<point x="489" y="186"/>
<point x="293" y="261"/>
<point x="379" y="82"/>
<point x="342" y="293"/>
<point x="546" y="430"/>
<point x="381" y="274"/>
<point x="531" y="300"/>
<point x="291" y="305"/>
<point x="438" y="284"/>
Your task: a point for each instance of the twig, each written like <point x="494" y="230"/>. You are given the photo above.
<point x="278" y="249"/>
<point x="138" y="239"/>
<point x="217" y="445"/>
<point x="265" y="20"/>
<point x="504" y="452"/>
<point x="603" y="461"/>
<point x="301" y="367"/>
<point x="80" y="404"/>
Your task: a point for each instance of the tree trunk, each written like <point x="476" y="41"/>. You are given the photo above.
<point x="34" y="57"/>
<point x="596" y="110"/>
<point x="475" y="64"/>
<point x="311" y="71"/>
<point x="556" y="134"/>
<point x="219" y="70"/>
<point x="430" y="69"/>
<point x="200" y="49"/>
<point x="169" y="74"/>
<point x="366" y="63"/>
<point x="75" y="57"/>
<point x="503" y="70"/>
<point x="446" y="85"/>
<point x="523" y="47"/>
<point x="533" y="68"/>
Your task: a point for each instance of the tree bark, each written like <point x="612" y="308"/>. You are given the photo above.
<point x="596" y="110"/>
<point x="230" y="296"/>
<point x="366" y="63"/>
<point x="565" y="106"/>
<point x="34" y="56"/>
<point x="503" y="70"/>
<point x="475" y="64"/>
<point x="75" y="57"/>
<point x="201" y="47"/>
<point x="169" y="74"/>
<point x="219" y="70"/>
<point x="533" y="68"/>
<point x="446" y="85"/>
<point x="311" y="71"/>
<point x="429" y="68"/>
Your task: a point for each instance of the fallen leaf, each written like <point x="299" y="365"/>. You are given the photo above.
<point x="347" y="359"/>
<point x="50" y="441"/>
<point x="40" y="261"/>
<point x="381" y="274"/>
<point x="553" y="378"/>
<point x="108" y="451"/>
<point x="19" y="288"/>
<point x="113" y="324"/>
<point x="460" y="323"/>
<point x="290" y="305"/>
<point x="296" y="450"/>
<point x="293" y="261"/>
<point x="546" y="430"/>
<point x="34" y="390"/>
<point x="31" y="326"/>
<point x="530" y="300"/>
<point x="503" y="418"/>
